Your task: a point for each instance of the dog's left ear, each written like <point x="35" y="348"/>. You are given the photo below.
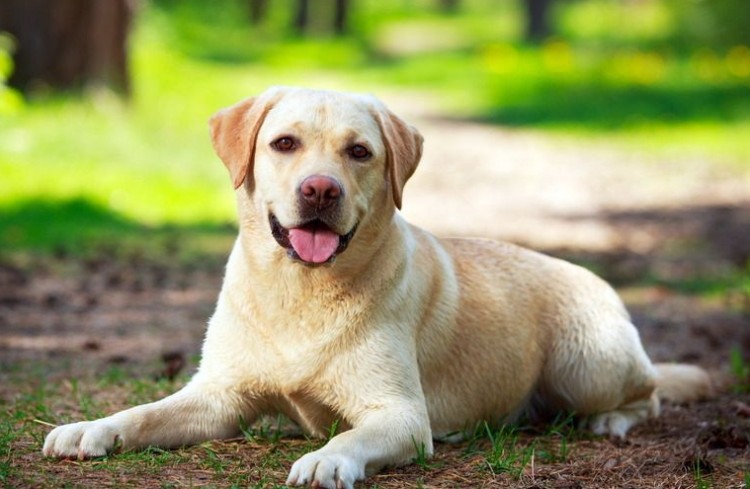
<point x="235" y="129"/>
<point x="403" y="144"/>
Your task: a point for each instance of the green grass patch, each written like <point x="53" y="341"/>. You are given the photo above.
<point x="740" y="367"/>
<point x="81" y="228"/>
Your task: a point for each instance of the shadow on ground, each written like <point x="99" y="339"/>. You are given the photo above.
<point x="82" y="228"/>
<point x="604" y="106"/>
<point x="699" y="249"/>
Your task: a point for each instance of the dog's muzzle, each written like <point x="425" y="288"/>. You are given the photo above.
<point x="312" y="243"/>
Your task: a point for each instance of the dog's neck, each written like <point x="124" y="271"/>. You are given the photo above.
<point x="282" y="292"/>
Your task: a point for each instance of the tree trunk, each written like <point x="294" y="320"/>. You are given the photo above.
<point x="340" y="15"/>
<point x="68" y="44"/>
<point x="302" y="16"/>
<point x="537" y="20"/>
<point x="258" y="10"/>
<point x="449" y="6"/>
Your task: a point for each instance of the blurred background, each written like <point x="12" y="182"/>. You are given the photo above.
<point x="103" y="103"/>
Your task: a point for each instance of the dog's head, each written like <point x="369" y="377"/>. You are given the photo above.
<point x="317" y="166"/>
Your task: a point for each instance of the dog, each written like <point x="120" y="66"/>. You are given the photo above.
<point x="334" y="309"/>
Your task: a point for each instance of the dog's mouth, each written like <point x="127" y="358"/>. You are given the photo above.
<point x="312" y="243"/>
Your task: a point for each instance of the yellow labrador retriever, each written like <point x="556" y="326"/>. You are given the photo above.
<point x="334" y="308"/>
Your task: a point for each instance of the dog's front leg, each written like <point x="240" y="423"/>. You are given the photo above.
<point x="387" y="435"/>
<point x="200" y="411"/>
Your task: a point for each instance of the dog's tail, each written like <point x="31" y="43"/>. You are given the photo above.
<point x="678" y="383"/>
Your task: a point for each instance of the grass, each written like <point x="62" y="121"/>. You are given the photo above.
<point x="505" y="454"/>
<point x="512" y="453"/>
<point x="740" y="368"/>
<point x="80" y="227"/>
<point x="265" y="431"/>
<point x="421" y="459"/>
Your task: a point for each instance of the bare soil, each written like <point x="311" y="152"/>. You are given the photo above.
<point x="656" y="225"/>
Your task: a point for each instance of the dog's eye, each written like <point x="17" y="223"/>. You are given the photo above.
<point x="359" y="152"/>
<point x="284" y="144"/>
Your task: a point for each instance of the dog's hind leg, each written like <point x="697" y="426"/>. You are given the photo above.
<point x="617" y="422"/>
<point x="600" y="371"/>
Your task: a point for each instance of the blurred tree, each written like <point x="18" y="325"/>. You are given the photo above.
<point x="302" y="16"/>
<point x="537" y="20"/>
<point x="449" y="6"/>
<point x="258" y="10"/>
<point x="722" y="23"/>
<point x="321" y="16"/>
<point x="340" y="14"/>
<point x="68" y="43"/>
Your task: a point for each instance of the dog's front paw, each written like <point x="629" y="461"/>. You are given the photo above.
<point x="331" y="471"/>
<point x="86" y="439"/>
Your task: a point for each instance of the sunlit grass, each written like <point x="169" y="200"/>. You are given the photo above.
<point x="99" y="152"/>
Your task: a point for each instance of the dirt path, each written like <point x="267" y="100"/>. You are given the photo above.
<point x="481" y="180"/>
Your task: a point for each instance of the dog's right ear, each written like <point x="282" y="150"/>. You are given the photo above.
<point x="234" y="131"/>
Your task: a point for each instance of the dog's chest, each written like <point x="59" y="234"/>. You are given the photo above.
<point x="299" y="345"/>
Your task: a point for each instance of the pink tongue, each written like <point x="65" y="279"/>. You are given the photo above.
<point x="314" y="245"/>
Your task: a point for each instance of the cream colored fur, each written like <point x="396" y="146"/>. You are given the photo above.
<point x="404" y="337"/>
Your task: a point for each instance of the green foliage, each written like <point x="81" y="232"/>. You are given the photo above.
<point x="601" y="22"/>
<point x="722" y="23"/>
<point x="11" y="101"/>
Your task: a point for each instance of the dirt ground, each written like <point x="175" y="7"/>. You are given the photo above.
<point x="649" y="223"/>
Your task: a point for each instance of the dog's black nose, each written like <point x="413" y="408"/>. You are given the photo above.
<point x="319" y="191"/>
